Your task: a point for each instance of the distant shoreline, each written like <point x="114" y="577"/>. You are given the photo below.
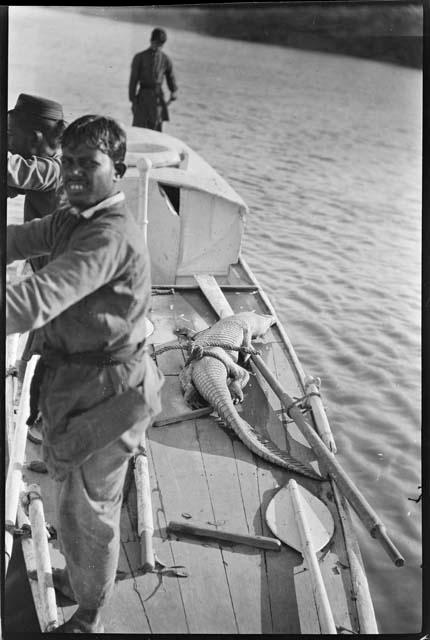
<point x="387" y="32"/>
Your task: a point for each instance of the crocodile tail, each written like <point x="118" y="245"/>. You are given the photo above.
<point x="255" y="441"/>
<point x="268" y="450"/>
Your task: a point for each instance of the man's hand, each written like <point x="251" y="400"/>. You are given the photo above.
<point x="172" y="96"/>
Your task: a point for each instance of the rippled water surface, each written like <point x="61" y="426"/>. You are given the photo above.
<point x="326" y="151"/>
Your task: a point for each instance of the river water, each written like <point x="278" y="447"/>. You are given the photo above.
<point x="326" y="151"/>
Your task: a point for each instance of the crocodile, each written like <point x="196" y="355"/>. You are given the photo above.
<point x="218" y="379"/>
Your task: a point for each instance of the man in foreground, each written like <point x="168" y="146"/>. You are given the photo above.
<point x="100" y="388"/>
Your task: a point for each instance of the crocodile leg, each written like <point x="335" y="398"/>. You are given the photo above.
<point x="238" y="379"/>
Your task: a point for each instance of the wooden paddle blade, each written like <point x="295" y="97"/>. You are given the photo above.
<point x="281" y="519"/>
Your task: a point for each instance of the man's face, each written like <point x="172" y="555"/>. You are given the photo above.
<point x="89" y="175"/>
<point x="18" y="140"/>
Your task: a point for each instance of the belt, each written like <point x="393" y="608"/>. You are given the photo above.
<point x="54" y="358"/>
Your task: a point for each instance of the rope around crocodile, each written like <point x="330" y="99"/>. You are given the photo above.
<point x="198" y="351"/>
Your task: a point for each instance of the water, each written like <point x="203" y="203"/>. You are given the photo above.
<point x="326" y="151"/>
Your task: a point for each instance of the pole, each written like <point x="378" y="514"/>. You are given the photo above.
<point x="359" y="503"/>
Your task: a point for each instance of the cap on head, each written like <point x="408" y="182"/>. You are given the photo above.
<point x="36" y="107"/>
<point x="159" y="36"/>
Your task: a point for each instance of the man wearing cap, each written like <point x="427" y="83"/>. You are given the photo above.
<point x="35" y="127"/>
<point x="148" y="70"/>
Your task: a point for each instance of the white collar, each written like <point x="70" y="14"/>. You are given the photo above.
<point x="88" y="213"/>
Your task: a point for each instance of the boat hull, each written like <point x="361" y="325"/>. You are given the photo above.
<point x="200" y="473"/>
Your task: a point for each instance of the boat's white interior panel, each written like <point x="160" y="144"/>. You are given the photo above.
<point x="178" y="213"/>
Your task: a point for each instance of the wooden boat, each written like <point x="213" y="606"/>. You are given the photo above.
<point x="209" y="573"/>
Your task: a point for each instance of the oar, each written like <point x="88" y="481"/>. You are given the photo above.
<point x="145" y="524"/>
<point x="304" y="523"/>
<point x="36" y="513"/>
<point x="144" y="165"/>
<point x="359" y="503"/>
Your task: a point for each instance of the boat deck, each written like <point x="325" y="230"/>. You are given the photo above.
<point x="201" y="473"/>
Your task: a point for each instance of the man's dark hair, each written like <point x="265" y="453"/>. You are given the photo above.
<point x="159" y="36"/>
<point x="97" y="132"/>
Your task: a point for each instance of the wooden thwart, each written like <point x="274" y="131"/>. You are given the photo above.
<point x="214" y="295"/>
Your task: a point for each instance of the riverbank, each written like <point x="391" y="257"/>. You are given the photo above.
<point x="387" y="31"/>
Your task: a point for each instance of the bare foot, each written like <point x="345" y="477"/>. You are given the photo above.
<point x="82" y="621"/>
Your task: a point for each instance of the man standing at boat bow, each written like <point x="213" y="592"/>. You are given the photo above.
<point x="100" y="388"/>
<point x="145" y="91"/>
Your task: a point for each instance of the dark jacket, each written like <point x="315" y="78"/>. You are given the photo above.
<point x="148" y="70"/>
<point x="92" y="296"/>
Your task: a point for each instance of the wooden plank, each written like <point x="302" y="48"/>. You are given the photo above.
<point x="160" y="595"/>
<point x="172" y="399"/>
<point x="214" y="295"/>
<point x="363" y="616"/>
<point x="232" y="483"/>
<point x="181" y="481"/>
<point x="307" y="610"/>
<point x="192" y="311"/>
<point x="336" y="579"/>
<point x="125" y="613"/>
<point x="278" y="573"/>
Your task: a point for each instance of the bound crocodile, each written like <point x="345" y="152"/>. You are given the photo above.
<point x="219" y="380"/>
